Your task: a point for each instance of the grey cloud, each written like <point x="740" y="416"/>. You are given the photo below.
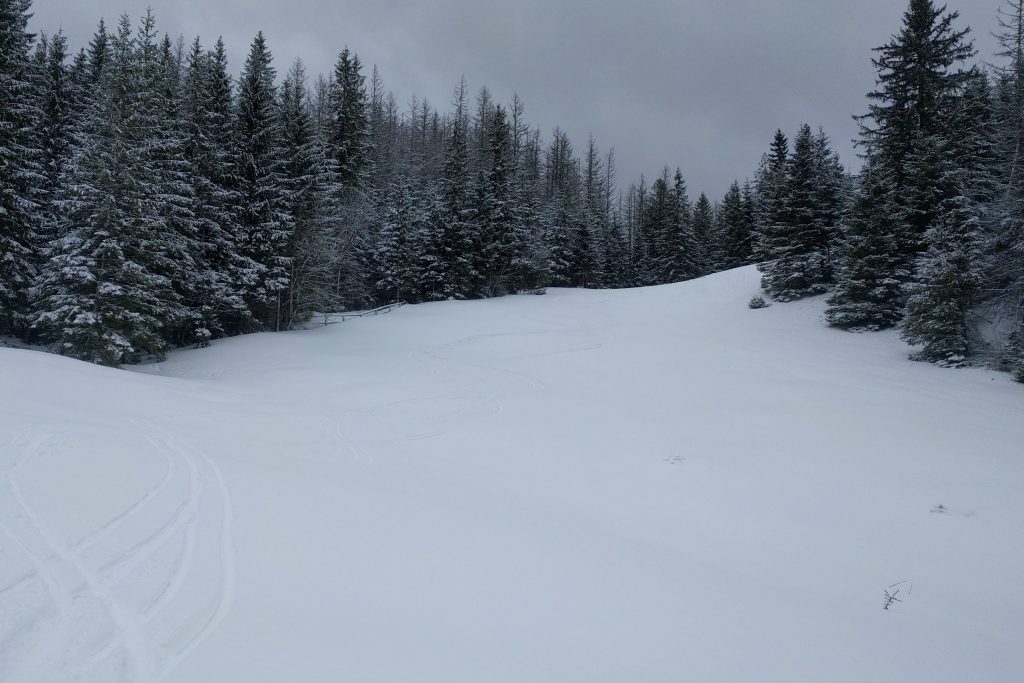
<point x="696" y="83"/>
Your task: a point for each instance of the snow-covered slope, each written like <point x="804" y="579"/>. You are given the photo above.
<point x="643" y="485"/>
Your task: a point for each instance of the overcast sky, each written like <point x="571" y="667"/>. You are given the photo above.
<point x="701" y="84"/>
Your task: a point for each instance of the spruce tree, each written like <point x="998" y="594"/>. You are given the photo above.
<point x="169" y="205"/>
<point x="673" y="251"/>
<point x="394" y="255"/>
<point x="60" y="98"/>
<point x="216" y="299"/>
<point x="919" y="80"/>
<point x="949" y="273"/>
<point x="871" y="269"/>
<point x="943" y="290"/>
<point x="318" y="243"/>
<point x="1004" y="244"/>
<point x="455" y="244"/>
<point x="428" y="247"/>
<point x="560" y="239"/>
<point x="569" y="243"/>
<point x="797" y="246"/>
<point x="503" y="230"/>
<point x="832" y="196"/>
<point x="349" y="125"/>
<point x="616" y="260"/>
<point x="656" y="224"/>
<point x="683" y="249"/>
<point x="734" y="229"/>
<point x="20" y="171"/>
<point x="265" y="227"/>
<point x="594" y="210"/>
<point x="771" y="191"/>
<point x="98" y="54"/>
<point x="704" y="234"/>
<point x="640" y="241"/>
<point x="99" y="297"/>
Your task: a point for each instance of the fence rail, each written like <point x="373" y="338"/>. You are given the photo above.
<point x="335" y="318"/>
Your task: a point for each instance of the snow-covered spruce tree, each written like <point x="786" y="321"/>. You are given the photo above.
<point x="949" y="272"/>
<point x="515" y="254"/>
<point x="428" y="242"/>
<point x="1004" y="243"/>
<point x="99" y="297"/>
<point x="570" y="255"/>
<point x="215" y="300"/>
<point x="382" y="122"/>
<point x="616" y="259"/>
<point x="348" y="129"/>
<point x="20" y="165"/>
<point x="684" y="247"/>
<point x="673" y="251"/>
<point x="560" y="239"/>
<point x="264" y="224"/>
<point x="832" y="196"/>
<point x="919" y="80"/>
<point x="299" y="170"/>
<point x="59" y="118"/>
<point x="1015" y="353"/>
<point x="480" y="133"/>
<point x="60" y="102"/>
<point x="870" y="268"/>
<point x="493" y="213"/>
<point x="169" y="210"/>
<point x="319" y="240"/>
<point x="639" y="239"/>
<point x="750" y="216"/>
<point x="455" y="244"/>
<point x="734" y="229"/>
<point x="703" y="222"/>
<point x="98" y="53"/>
<point x="797" y="246"/>
<point x="594" y="209"/>
<point x="529" y="268"/>
<point x="770" y="193"/>
<point x="394" y="255"/>
<point x="919" y="85"/>
<point x="584" y="256"/>
<point x="943" y="290"/>
<point x="656" y="224"/>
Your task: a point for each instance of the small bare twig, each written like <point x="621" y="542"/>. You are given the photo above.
<point x="889" y="595"/>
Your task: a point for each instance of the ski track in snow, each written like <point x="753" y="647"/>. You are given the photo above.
<point x="86" y="589"/>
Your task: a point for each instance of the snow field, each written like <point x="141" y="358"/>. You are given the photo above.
<point x="639" y="485"/>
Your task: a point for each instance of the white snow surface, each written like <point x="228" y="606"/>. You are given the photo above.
<point x="626" y="486"/>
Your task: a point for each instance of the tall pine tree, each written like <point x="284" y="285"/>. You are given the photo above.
<point x="264" y="224"/>
<point x="871" y="269"/>
<point x="21" y="173"/>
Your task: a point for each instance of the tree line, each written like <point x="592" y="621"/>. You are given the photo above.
<point x="149" y="199"/>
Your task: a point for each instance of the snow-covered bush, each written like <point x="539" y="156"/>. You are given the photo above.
<point x="758" y="302"/>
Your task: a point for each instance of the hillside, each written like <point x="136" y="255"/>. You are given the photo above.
<point x="636" y="485"/>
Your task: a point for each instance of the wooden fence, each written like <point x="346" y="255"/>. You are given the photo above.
<point x="335" y="318"/>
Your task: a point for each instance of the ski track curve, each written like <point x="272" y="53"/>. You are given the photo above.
<point x="79" y="586"/>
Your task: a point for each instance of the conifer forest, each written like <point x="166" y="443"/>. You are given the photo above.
<point x="150" y="198"/>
